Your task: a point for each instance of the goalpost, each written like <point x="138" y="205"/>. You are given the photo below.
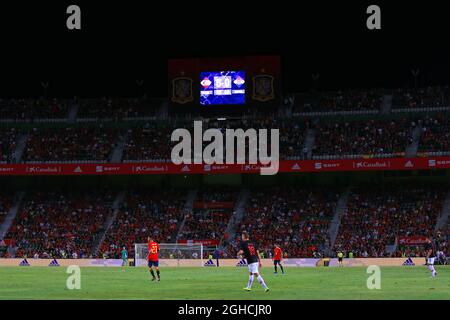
<point x="175" y="251"/>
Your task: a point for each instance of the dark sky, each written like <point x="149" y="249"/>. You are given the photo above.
<point x="123" y="41"/>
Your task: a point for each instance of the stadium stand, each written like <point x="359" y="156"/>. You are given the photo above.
<point x="212" y="211"/>
<point x="298" y="220"/>
<point x="59" y="224"/>
<point x="333" y="139"/>
<point x="353" y="100"/>
<point x="154" y="213"/>
<point x="376" y="216"/>
<point x="149" y="143"/>
<point x="70" y="144"/>
<point x="8" y="139"/>
<point x="431" y="97"/>
<point x="5" y="204"/>
<point x="117" y="109"/>
<point x="435" y="139"/>
<point x="27" y="109"/>
<point x="362" y="138"/>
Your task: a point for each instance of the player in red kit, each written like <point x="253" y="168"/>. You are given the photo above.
<point x="153" y="249"/>
<point x="277" y="257"/>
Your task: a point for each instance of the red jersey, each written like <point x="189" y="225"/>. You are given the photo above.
<point x="277" y="253"/>
<point x="153" y="249"/>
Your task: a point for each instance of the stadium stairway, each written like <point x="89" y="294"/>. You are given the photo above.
<point x="236" y="218"/>
<point x="163" y="112"/>
<point x="4" y="227"/>
<point x="442" y="221"/>
<point x="310" y="140"/>
<point x="117" y="153"/>
<point x="100" y="237"/>
<point x="20" y="148"/>
<point x="411" y="150"/>
<point x="188" y="208"/>
<point x="73" y="112"/>
<point x="386" y="104"/>
<point x="341" y="207"/>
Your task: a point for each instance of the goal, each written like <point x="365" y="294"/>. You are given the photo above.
<point x="169" y="251"/>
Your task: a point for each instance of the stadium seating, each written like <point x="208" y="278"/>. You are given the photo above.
<point x="362" y="138"/>
<point x="59" y="224"/>
<point x="154" y="213"/>
<point x="430" y="97"/>
<point x="117" y="109"/>
<point x="376" y="216"/>
<point x="5" y="204"/>
<point x="8" y="139"/>
<point x="298" y="220"/>
<point x="70" y="144"/>
<point x="435" y="139"/>
<point x="149" y="143"/>
<point x="353" y="100"/>
<point x="334" y="139"/>
<point x="213" y="209"/>
<point x="27" y="109"/>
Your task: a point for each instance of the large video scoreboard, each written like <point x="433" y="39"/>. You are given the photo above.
<point x="223" y="87"/>
<point x="207" y="83"/>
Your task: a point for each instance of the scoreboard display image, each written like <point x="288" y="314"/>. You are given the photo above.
<point x="222" y="87"/>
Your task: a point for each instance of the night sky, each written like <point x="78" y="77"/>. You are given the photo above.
<point x="122" y="42"/>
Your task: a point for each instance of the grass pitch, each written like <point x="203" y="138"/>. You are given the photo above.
<point x="223" y="283"/>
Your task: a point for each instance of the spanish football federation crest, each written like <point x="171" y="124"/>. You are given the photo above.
<point x="182" y="90"/>
<point x="263" y="88"/>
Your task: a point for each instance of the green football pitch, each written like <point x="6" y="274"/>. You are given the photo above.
<point x="223" y="283"/>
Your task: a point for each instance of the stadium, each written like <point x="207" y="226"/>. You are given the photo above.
<point x="361" y="172"/>
<point x="302" y="160"/>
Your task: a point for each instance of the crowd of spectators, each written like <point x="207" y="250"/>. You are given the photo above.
<point x="29" y="109"/>
<point x="5" y="204"/>
<point x="421" y="98"/>
<point x="356" y="100"/>
<point x="376" y="216"/>
<point x="8" y="138"/>
<point x="223" y="194"/>
<point x="297" y="220"/>
<point x="352" y="100"/>
<point x="117" y="108"/>
<point x="435" y="135"/>
<point x="210" y="218"/>
<point x="152" y="142"/>
<point x="439" y="240"/>
<point x="206" y="224"/>
<point x="149" y="143"/>
<point x="155" y="213"/>
<point x="363" y="138"/>
<point x="70" y="144"/>
<point x="59" y="224"/>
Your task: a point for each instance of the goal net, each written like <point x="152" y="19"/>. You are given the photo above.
<point x="170" y="251"/>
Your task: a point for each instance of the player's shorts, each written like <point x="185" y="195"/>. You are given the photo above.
<point x="275" y="262"/>
<point x="340" y="259"/>
<point x="253" y="267"/>
<point x="431" y="261"/>
<point x="153" y="263"/>
<point x="124" y="262"/>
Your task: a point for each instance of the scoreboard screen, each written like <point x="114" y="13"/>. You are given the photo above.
<point x="222" y="87"/>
